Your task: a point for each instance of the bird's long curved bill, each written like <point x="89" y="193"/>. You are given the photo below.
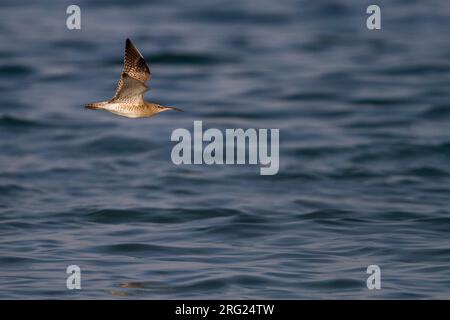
<point x="174" y="108"/>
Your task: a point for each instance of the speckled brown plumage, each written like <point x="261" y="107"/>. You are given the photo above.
<point x="128" y="101"/>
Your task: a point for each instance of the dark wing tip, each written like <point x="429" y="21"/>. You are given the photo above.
<point x="128" y="45"/>
<point x="131" y="49"/>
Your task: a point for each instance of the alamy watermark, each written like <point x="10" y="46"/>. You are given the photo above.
<point x="74" y="279"/>
<point x="374" y="280"/>
<point x="373" y="22"/>
<point x="241" y="147"/>
<point x="73" y="21"/>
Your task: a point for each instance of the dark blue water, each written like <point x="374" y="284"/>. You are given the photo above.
<point x="364" y="119"/>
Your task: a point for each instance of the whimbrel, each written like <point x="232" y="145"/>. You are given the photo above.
<point x="128" y="100"/>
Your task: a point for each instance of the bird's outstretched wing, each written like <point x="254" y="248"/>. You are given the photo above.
<point x="131" y="91"/>
<point x="134" y="66"/>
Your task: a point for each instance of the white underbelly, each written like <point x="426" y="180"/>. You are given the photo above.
<point x="127" y="111"/>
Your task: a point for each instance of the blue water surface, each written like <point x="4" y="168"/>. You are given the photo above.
<point x="364" y="119"/>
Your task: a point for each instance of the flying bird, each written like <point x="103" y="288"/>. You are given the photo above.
<point x="128" y="101"/>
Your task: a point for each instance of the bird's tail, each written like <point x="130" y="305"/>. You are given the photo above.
<point x="95" y="106"/>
